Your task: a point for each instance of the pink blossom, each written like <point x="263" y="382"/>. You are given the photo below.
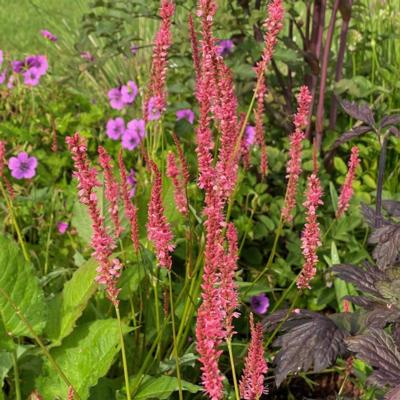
<point x="311" y="234"/>
<point x="62" y="227"/>
<point x="252" y="381"/>
<point x="159" y="231"/>
<point x="71" y="393"/>
<point x="102" y="243"/>
<point x="259" y="115"/>
<point x="111" y="190"/>
<point x="162" y="43"/>
<point x="130" y="208"/>
<point x="347" y="189"/>
<point x="293" y="168"/>
<point x="176" y="176"/>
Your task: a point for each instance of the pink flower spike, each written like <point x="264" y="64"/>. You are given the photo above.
<point x="293" y="168"/>
<point x="179" y="184"/>
<point x="252" y="381"/>
<point x="346" y="191"/>
<point x="311" y="234"/>
<point x="159" y="231"/>
<point x="2" y="156"/>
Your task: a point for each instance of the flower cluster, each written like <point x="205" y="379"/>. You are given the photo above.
<point x="130" y="135"/>
<point x="347" y="189"/>
<point x="311" y="234"/>
<point x="293" y="169"/>
<point x="32" y="68"/>
<point x="252" y="382"/>
<point x="122" y="96"/>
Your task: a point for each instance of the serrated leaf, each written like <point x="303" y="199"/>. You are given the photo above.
<point x="387" y="240"/>
<point x="390" y="120"/>
<point x="392" y="207"/>
<point x="19" y="287"/>
<point x="67" y="306"/>
<point x="378" y="349"/>
<point x="361" y="112"/>
<point x="162" y="387"/>
<point x="85" y="356"/>
<point x="346" y="136"/>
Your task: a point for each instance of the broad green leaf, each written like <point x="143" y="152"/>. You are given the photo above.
<point x="340" y="165"/>
<point x="85" y="356"/>
<point x="19" y="287"/>
<point x="6" y="363"/>
<point x="162" y="387"/>
<point x="67" y="306"/>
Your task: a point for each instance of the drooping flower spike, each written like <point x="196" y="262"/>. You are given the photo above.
<point x="346" y="191"/>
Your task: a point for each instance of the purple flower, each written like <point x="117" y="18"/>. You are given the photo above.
<point x="23" y="166"/>
<point x="130" y="140"/>
<point x="260" y="303"/>
<point x="185" y="113"/>
<point x="3" y="76"/>
<point x="18" y="66"/>
<point x="62" y="227"/>
<point x="131" y="178"/>
<point x="31" y="77"/>
<point x="116" y="100"/>
<point x="48" y="35"/>
<point x="1" y="58"/>
<point x="129" y="92"/>
<point x="115" y="128"/>
<point x="152" y="109"/>
<point x="224" y="47"/>
<point x="134" y="50"/>
<point x="249" y="135"/>
<point x="86" y="55"/>
<point x="137" y="126"/>
<point x="39" y="62"/>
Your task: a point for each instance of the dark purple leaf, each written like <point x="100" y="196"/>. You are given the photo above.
<point x="368" y="214"/>
<point x="378" y="349"/>
<point x="363" y="278"/>
<point x="394" y="394"/>
<point x="312" y="341"/>
<point x="387" y="240"/>
<point x="390" y="120"/>
<point x="346" y="136"/>
<point x="360" y="112"/>
<point x="392" y="207"/>
<point x="395" y="131"/>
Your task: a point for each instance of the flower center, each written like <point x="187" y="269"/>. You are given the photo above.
<point x="24" y="166"/>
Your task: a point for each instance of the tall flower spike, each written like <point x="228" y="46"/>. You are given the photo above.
<point x="259" y="115"/>
<point x="2" y="156"/>
<point x="293" y="169"/>
<point x="179" y="185"/>
<point x="252" y="381"/>
<point x="311" y="234"/>
<point x="162" y="43"/>
<point x="103" y="245"/>
<point x="111" y="190"/>
<point x="347" y="189"/>
<point x="195" y="47"/>
<point x="159" y="231"/>
<point x="130" y="208"/>
<point x="182" y="160"/>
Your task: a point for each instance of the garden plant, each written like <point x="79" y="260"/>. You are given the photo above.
<point x="200" y="199"/>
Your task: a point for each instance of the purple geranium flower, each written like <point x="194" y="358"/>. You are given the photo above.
<point x="134" y="50"/>
<point x="23" y="166"/>
<point x="137" y="126"/>
<point x="62" y="227"/>
<point x="115" y="128"/>
<point x="131" y="178"/>
<point x="152" y="109"/>
<point x="48" y="35"/>
<point x="249" y="135"/>
<point x="31" y="77"/>
<point x="185" y="113"/>
<point x="129" y="92"/>
<point x="18" y="66"/>
<point x="86" y="55"/>
<point x="224" y="47"/>
<point x="260" y="303"/>
<point x="130" y="140"/>
<point x="39" y="62"/>
<point x="116" y="100"/>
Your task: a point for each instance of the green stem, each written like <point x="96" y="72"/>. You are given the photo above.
<point x="16" y="376"/>
<point x="175" y="350"/>
<point x="232" y="361"/>
<point x="271" y="256"/>
<point x="124" y="363"/>
<point x="14" y="222"/>
<point x="52" y="361"/>
<point x="156" y="305"/>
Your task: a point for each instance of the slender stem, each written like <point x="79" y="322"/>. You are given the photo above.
<point x="124" y="363"/>
<point x="15" y="223"/>
<point x="175" y="349"/>
<point x="16" y="376"/>
<point x="52" y="361"/>
<point x="381" y="173"/>
<point x="156" y="306"/>
<point x="232" y="361"/>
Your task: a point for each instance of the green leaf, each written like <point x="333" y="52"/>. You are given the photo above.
<point x="67" y="306"/>
<point x="340" y="165"/>
<point x="85" y="356"/>
<point x="82" y="222"/>
<point x="162" y="387"/>
<point x="6" y="362"/>
<point x="334" y="196"/>
<point x="19" y="287"/>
